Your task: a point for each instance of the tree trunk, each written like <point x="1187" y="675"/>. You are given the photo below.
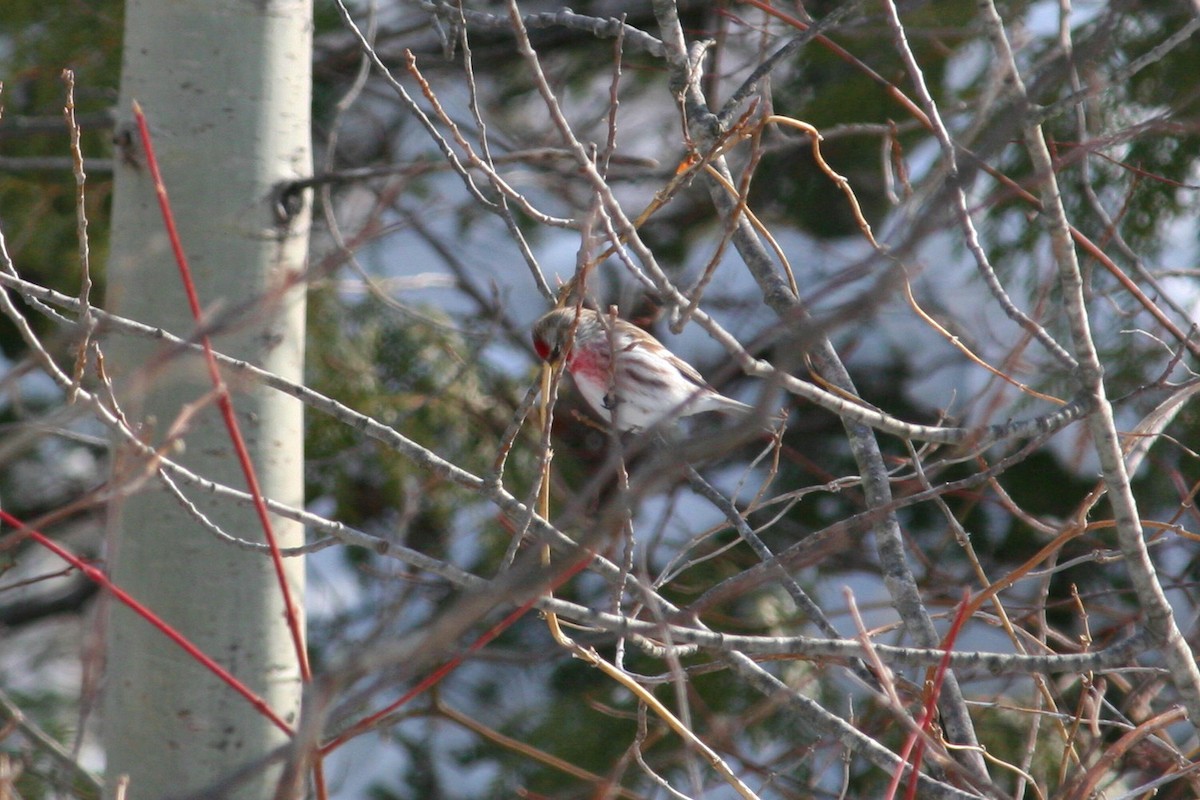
<point x="226" y="88"/>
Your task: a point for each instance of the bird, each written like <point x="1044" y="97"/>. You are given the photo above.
<point x="645" y="385"/>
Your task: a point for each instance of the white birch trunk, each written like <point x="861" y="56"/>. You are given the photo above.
<point x="226" y="88"/>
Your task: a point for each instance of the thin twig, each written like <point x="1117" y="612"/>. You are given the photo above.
<point x="86" y="320"/>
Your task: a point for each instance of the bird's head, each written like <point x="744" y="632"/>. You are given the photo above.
<point x="551" y="331"/>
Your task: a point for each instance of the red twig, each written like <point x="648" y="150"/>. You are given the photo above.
<point x="445" y="669"/>
<point x="175" y="636"/>
<point x="915" y="745"/>
<point x="223" y="400"/>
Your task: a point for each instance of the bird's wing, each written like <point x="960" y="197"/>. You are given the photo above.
<point x="655" y="349"/>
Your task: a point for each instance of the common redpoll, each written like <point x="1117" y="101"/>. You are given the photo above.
<point x="647" y="384"/>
